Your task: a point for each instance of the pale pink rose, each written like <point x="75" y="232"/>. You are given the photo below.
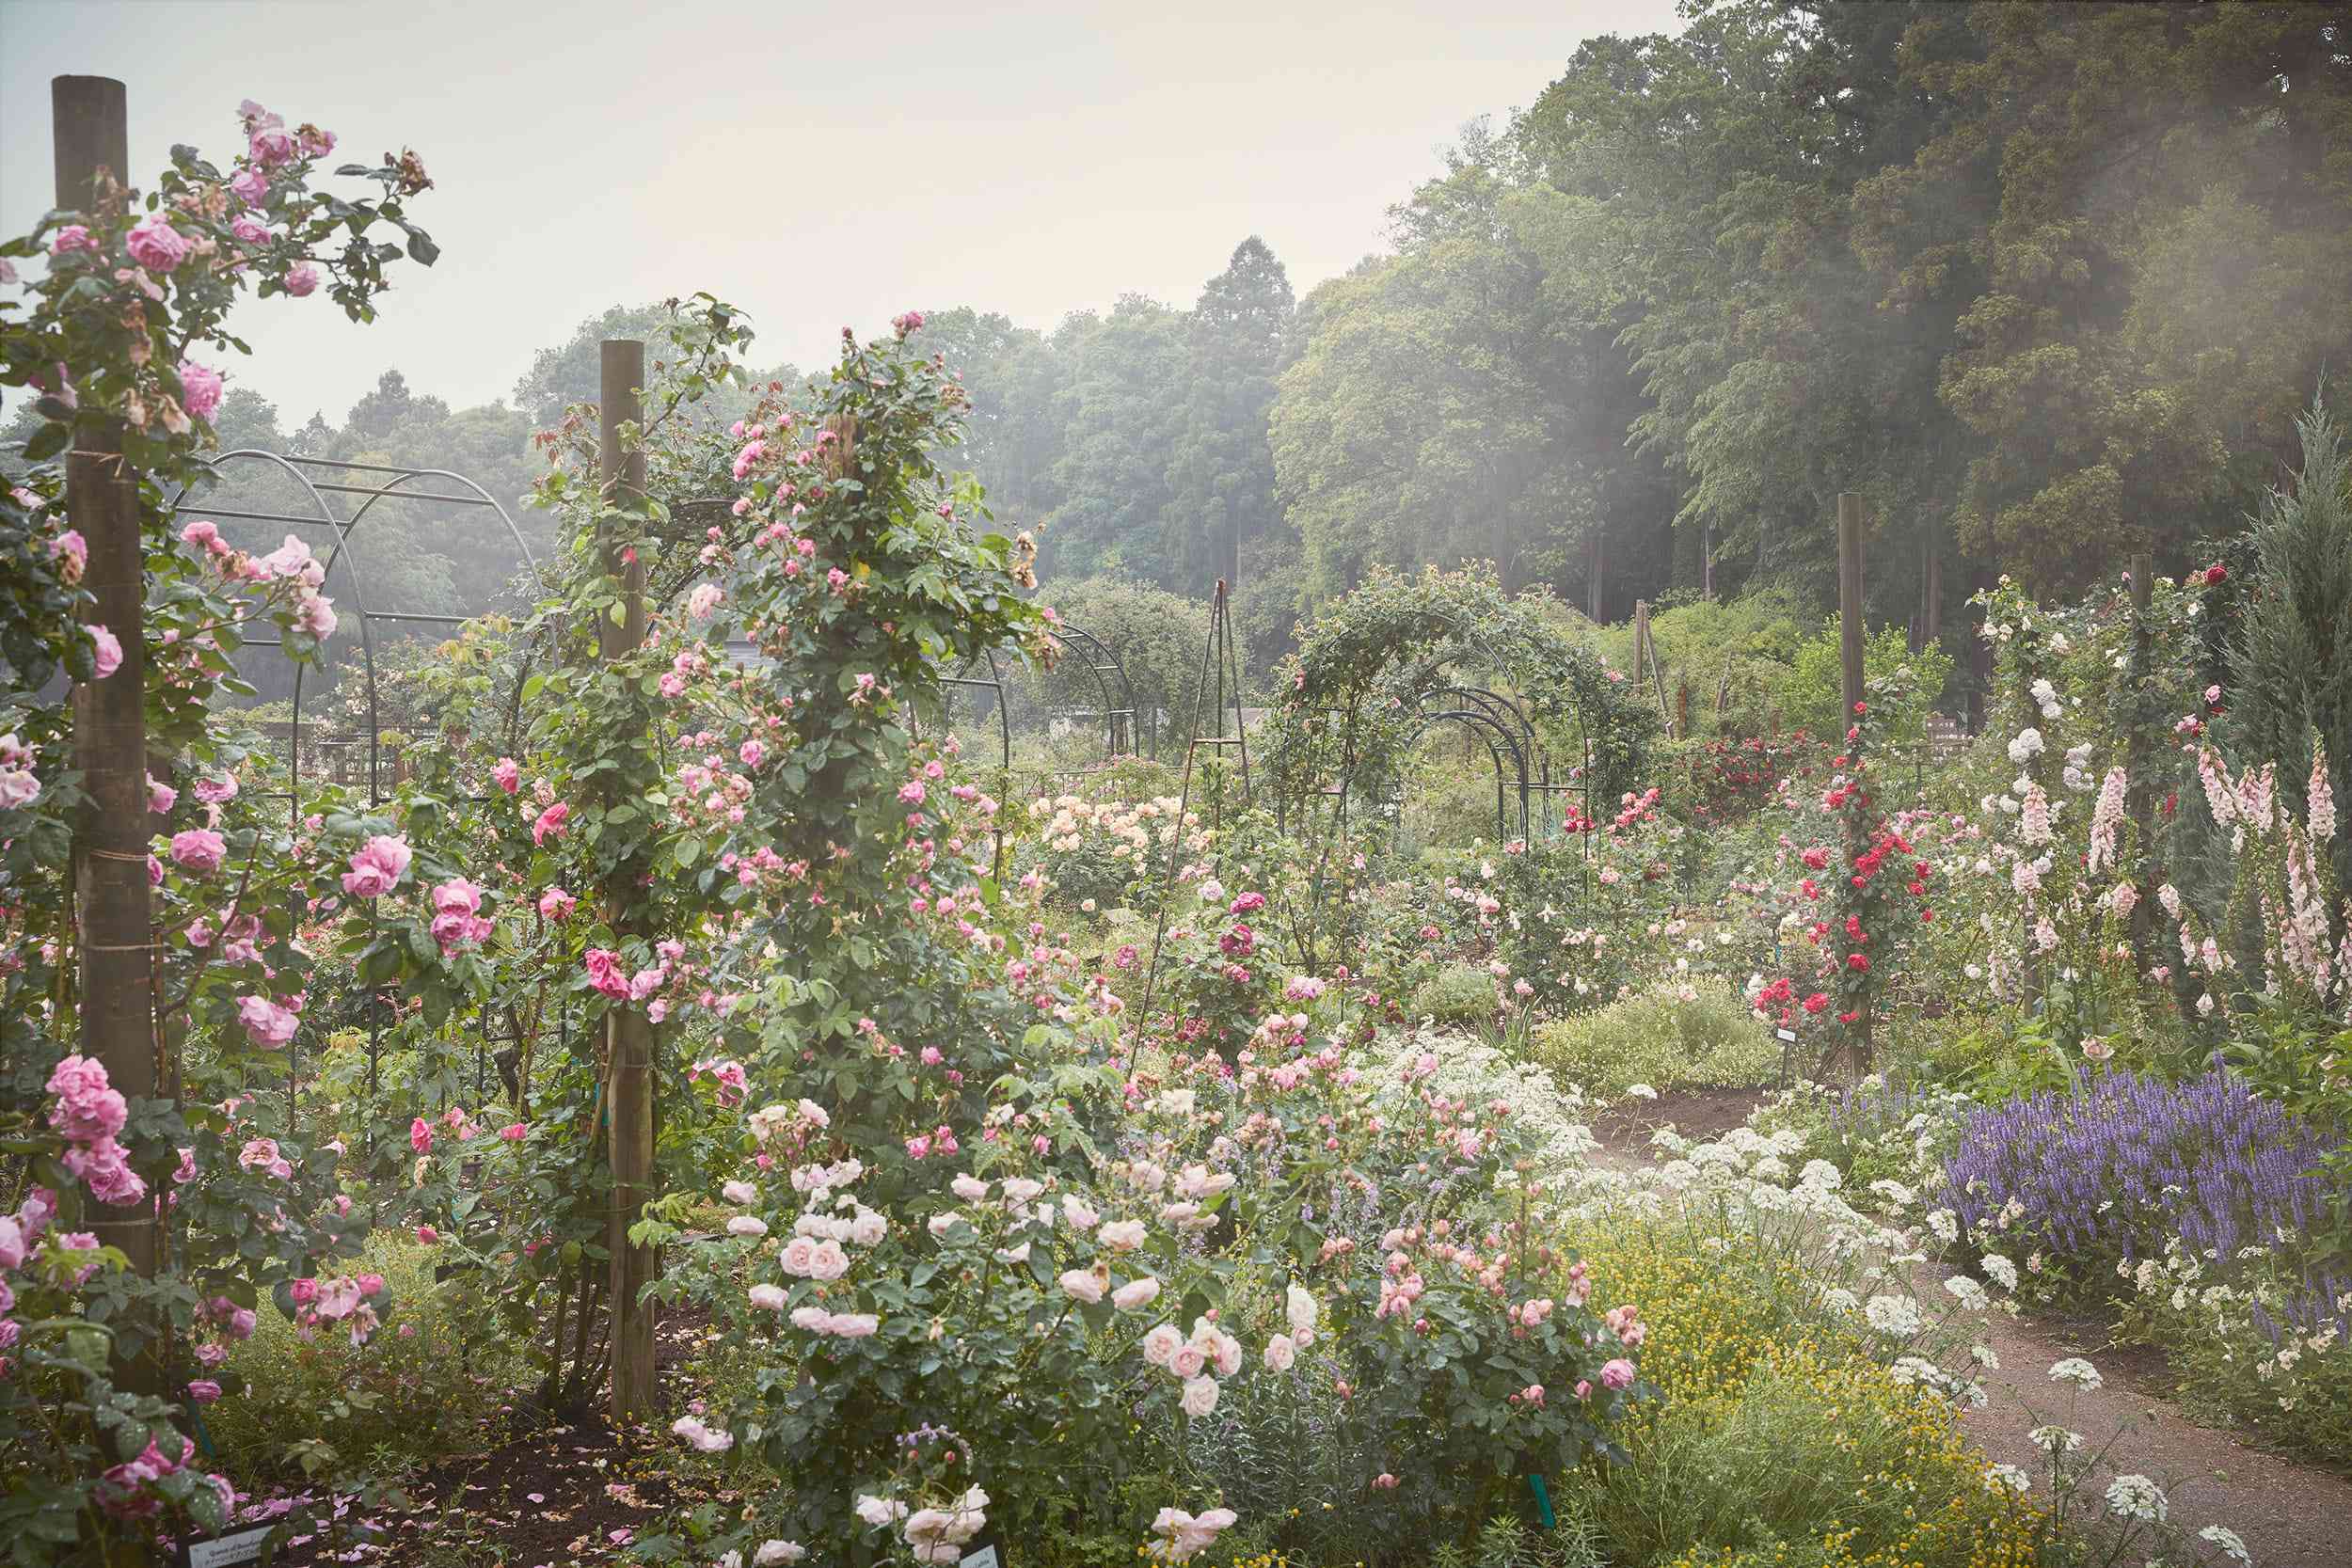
<point x="1082" y="1284"/>
<point x="377" y="867"/>
<point x="155" y="245"/>
<point x="1135" y="1293"/>
<point x="199" y="850"/>
<point x="268" y="1024"/>
<point x="1161" y="1344"/>
<point x="199" y="390"/>
<point x="1188" y="1360"/>
<point x="1200" y="1395"/>
<point x="108" y="652"/>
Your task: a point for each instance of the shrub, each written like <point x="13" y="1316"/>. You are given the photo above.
<point x="1698" y="1033"/>
<point x="1459" y="996"/>
<point x="2119" y="1168"/>
<point x="420" y="1389"/>
<point x="2292" y="1328"/>
<point x="1811" y="1461"/>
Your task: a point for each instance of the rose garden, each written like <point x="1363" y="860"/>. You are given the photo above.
<point x="709" y="1078"/>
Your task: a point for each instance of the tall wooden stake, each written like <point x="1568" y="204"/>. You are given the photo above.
<point x="116" y="937"/>
<point x="629" y="1034"/>
<point x="2138" y="792"/>
<point x="1850" y="640"/>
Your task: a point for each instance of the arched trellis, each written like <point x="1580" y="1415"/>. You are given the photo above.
<point x="1503" y="748"/>
<point x="354" y="581"/>
<point x="1126" y="731"/>
<point x="1372" y="665"/>
<point x="319" y="478"/>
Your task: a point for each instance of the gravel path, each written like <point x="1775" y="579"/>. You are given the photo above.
<point x="2290" y="1516"/>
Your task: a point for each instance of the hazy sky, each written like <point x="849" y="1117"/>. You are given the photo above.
<point x="822" y="166"/>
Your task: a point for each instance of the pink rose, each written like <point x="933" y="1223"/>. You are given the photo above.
<point x="199" y="850"/>
<point x="304" y="1291"/>
<point x="302" y="279"/>
<point x="199" y="390"/>
<point x="203" y="1390"/>
<point x="1617" y="1374"/>
<point x="420" y="1135"/>
<point x="429" y="1236"/>
<point x="161" y="796"/>
<point x="550" y="823"/>
<point x="109" y="650"/>
<point x="378" y="866"/>
<point x="252" y="186"/>
<point x="605" y="973"/>
<point x="72" y="237"/>
<point x="156" y="246"/>
<point x="269" y="1024"/>
<point x="555" y="903"/>
<point x="514" y="1132"/>
<point x="507" y="775"/>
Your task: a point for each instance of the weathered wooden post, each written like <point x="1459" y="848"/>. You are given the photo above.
<point x="628" y="1033"/>
<point x="1850" y="640"/>
<point x="115" y="941"/>
<point x="2140" y="793"/>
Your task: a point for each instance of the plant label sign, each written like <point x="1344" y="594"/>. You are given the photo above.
<point x="222" y="1552"/>
<point x="985" y="1553"/>
<point x="1786" y="1036"/>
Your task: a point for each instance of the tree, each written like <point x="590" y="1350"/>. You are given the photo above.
<point x="1221" y="470"/>
<point x="2290" y="687"/>
<point x="1119" y="392"/>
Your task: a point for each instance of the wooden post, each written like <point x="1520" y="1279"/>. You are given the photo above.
<point x="1600" y="566"/>
<point x="1932" y="623"/>
<point x="1849" y="639"/>
<point x="115" y="939"/>
<point x="2138" y="792"/>
<point x="629" y="1034"/>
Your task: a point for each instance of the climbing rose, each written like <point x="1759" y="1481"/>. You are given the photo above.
<point x="156" y="246"/>
<point x="109" y="657"/>
<point x="550" y="823"/>
<point x="377" y="867"/>
<point x="507" y="775"/>
<point x="269" y="1024"/>
<point x="200" y="387"/>
<point x="199" y="850"/>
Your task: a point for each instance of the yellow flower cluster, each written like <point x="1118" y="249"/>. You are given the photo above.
<point x="1744" y="1358"/>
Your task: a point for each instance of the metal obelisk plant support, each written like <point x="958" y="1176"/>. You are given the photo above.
<point x="1216" y="652"/>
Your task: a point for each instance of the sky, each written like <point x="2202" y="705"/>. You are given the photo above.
<point x="820" y="165"/>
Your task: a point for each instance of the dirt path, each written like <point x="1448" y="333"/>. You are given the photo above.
<point x="2289" y="1515"/>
